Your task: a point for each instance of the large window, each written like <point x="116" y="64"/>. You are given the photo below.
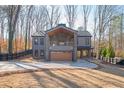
<point x="41" y="41"/>
<point x="36" y="41"/>
<point x="61" y="39"/>
<point x="36" y="53"/>
<point x="41" y="53"/>
<point x="87" y="41"/>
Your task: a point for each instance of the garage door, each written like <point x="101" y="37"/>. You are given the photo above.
<point x="61" y="56"/>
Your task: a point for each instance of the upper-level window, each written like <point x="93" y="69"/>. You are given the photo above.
<point x="87" y="41"/>
<point x="41" y="41"/>
<point x="36" y="41"/>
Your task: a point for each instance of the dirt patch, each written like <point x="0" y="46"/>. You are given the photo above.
<point x="74" y="78"/>
<point x="105" y="76"/>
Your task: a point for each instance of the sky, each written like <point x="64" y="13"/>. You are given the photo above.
<point x="79" y="20"/>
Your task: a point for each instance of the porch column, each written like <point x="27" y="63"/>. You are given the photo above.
<point x="47" y="47"/>
<point x="75" y="47"/>
<point x="81" y="53"/>
<point x="89" y="53"/>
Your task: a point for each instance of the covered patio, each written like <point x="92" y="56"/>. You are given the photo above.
<point x="61" y="43"/>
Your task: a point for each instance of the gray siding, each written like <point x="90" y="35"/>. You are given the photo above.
<point x="38" y="47"/>
<point x="82" y="41"/>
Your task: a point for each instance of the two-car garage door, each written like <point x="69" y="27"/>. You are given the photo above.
<point x="61" y="56"/>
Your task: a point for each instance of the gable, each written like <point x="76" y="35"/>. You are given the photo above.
<point x="60" y="31"/>
<point x="60" y="28"/>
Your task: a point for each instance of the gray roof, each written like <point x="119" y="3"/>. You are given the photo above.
<point x="79" y="33"/>
<point x="39" y="33"/>
<point x="61" y="26"/>
<point x="84" y="33"/>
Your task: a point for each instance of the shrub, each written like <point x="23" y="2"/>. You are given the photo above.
<point x="103" y="52"/>
<point x="110" y="52"/>
<point x="107" y="52"/>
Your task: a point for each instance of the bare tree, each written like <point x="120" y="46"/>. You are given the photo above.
<point x="2" y="29"/>
<point x="53" y="15"/>
<point x="27" y="29"/>
<point x="71" y="14"/>
<point x="106" y="14"/>
<point x="95" y="26"/>
<point x="12" y="13"/>
<point x="22" y="18"/>
<point x="40" y="18"/>
<point x="121" y="32"/>
<point x="86" y="12"/>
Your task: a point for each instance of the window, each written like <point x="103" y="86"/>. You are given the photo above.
<point x="87" y="41"/>
<point x="36" y="41"/>
<point x="61" y="43"/>
<point x="41" y="52"/>
<point x="36" y="53"/>
<point x="41" y="41"/>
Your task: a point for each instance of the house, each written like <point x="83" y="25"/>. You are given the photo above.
<point x="61" y="43"/>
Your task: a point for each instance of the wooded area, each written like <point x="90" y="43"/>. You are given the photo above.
<point x="18" y="22"/>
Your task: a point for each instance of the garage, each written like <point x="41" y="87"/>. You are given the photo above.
<point x="61" y="56"/>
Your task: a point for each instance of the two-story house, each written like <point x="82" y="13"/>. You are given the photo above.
<point x="61" y="43"/>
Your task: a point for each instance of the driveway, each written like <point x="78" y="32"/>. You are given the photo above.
<point x="20" y="65"/>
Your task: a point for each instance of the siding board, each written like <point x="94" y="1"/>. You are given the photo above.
<point x="61" y="56"/>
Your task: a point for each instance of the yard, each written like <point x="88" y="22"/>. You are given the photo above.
<point x="104" y="76"/>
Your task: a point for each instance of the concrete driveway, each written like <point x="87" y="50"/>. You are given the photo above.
<point x="20" y="65"/>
